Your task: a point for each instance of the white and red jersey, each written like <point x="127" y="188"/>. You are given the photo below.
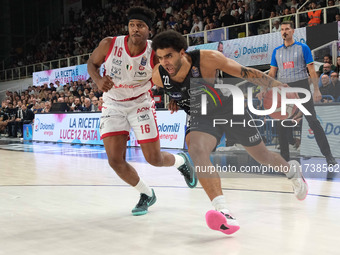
<point x="131" y="75"/>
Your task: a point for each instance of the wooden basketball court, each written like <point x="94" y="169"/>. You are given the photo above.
<point x="62" y="199"/>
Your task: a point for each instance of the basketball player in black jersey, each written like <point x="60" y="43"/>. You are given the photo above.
<point x="174" y="73"/>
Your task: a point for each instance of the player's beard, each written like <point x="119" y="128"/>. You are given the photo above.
<point x="176" y="67"/>
<point x="137" y="40"/>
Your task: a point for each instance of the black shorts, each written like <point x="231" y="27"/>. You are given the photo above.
<point x="235" y="127"/>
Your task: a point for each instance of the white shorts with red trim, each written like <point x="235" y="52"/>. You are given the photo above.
<point x="118" y="118"/>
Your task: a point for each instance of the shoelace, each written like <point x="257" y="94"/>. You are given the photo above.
<point x="143" y="199"/>
<point x="185" y="171"/>
<point x="228" y="216"/>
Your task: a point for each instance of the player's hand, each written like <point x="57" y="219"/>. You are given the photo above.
<point x="173" y="106"/>
<point x="298" y="117"/>
<point x="105" y="83"/>
<point x="261" y="94"/>
<point x="317" y="96"/>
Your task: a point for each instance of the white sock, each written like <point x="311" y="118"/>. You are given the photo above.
<point x="220" y="204"/>
<point x="143" y="188"/>
<point x="179" y="160"/>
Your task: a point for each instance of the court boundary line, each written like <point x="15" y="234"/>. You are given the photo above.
<point x="174" y="187"/>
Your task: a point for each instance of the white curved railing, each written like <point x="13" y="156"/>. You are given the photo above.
<point x="223" y="32"/>
<point x="331" y="49"/>
<point x="27" y="71"/>
<point x="218" y="34"/>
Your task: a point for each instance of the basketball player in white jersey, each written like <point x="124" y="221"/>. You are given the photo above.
<point x="128" y="62"/>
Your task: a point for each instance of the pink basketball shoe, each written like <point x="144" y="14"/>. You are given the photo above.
<point x="222" y="222"/>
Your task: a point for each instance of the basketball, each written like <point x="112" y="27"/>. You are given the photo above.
<point x="291" y="109"/>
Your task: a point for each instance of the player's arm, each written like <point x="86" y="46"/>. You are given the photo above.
<point x="156" y="76"/>
<point x="317" y="94"/>
<point x="273" y="65"/>
<point x="233" y="68"/>
<point x="157" y="80"/>
<point x="272" y="71"/>
<point x="155" y="60"/>
<point x="308" y="57"/>
<point x="93" y="64"/>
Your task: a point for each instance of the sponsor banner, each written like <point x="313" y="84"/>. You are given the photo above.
<point x="68" y="128"/>
<point x="253" y="50"/>
<point x="63" y="75"/>
<point x="330" y="122"/>
<point x="84" y="129"/>
<point x="207" y="46"/>
<point x="171" y="129"/>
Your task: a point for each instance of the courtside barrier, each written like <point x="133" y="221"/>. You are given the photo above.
<point x="83" y="128"/>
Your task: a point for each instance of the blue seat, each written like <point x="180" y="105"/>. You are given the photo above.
<point x="329" y="97"/>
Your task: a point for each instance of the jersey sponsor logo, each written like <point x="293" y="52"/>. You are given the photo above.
<point x="197" y="90"/>
<point x="143" y="61"/>
<point x="141" y="68"/>
<point x="195" y="72"/>
<point x="140" y="74"/>
<point x="126" y="86"/>
<point x="115" y="71"/>
<point x="288" y="65"/>
<point x="116" y="62"/>
<point x="175" y="95"/>
<point x="143" y="109"/>
<point x="193" y="111"/>
<point x="188" y="102"/>
<point x="254" y="138"/>
<point x="143" y="117"/>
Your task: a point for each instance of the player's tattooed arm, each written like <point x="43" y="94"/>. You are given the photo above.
<point x="233" y="68"/>
<point x="259" y="78"/>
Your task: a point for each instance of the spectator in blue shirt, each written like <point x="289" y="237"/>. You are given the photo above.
<point x="326" y="71"/>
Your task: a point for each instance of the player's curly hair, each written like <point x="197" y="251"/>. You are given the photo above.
<point x="169" y="39"/>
